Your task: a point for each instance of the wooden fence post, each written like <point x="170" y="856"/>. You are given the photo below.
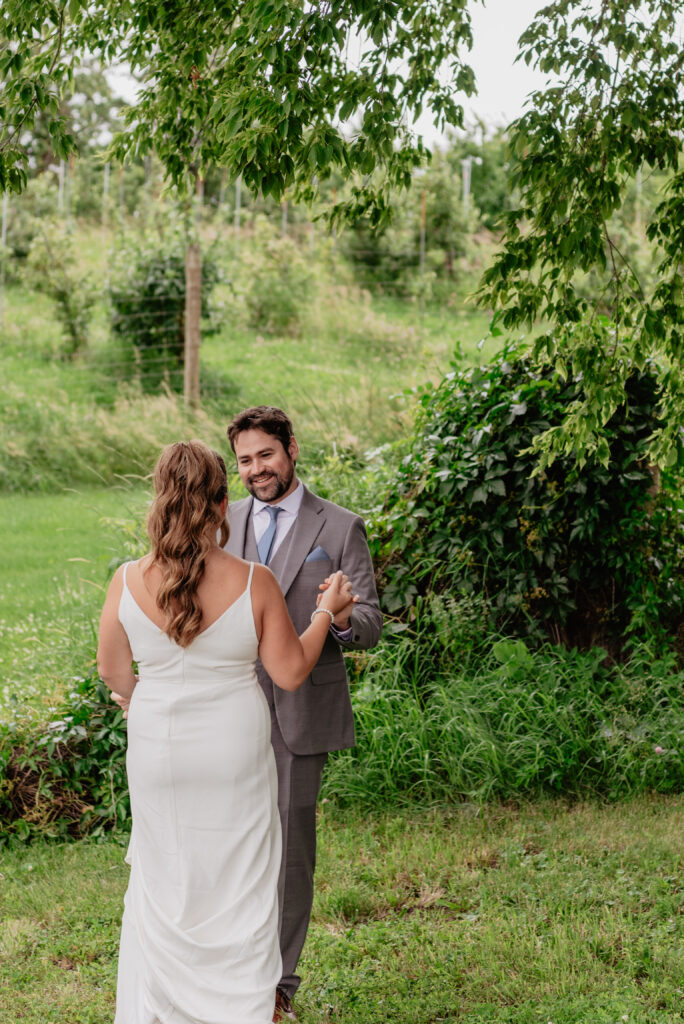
<point x="193" y="314"/>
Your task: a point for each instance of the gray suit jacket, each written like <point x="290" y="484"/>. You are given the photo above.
<point x="318" y="716"/>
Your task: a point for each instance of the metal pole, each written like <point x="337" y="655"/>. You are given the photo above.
<point x="68" y="185"/>
<point x="105" y="196"/>
<point x="121" y="195"/>
<point x="145" y="219"/>
<point x="466" y="170"/>
<point x="466" y="174"/>
<point x="60" y="193"/>
<point x="334" y="230"/>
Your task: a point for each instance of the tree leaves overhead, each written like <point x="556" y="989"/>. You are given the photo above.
<point x="35" y="66"/>
<point x="279" y="91"/>
<point x="614" y="110"/>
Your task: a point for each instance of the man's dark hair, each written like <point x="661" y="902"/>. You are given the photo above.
<point x="268" y="418"/>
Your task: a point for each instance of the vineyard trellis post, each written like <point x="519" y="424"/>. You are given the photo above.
<point x="193" y="314"/>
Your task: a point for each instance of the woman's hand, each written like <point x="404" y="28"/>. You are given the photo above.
<point x="337" y="596"/>
<point x="123" y="702"/>
<point x="342" y="619"/>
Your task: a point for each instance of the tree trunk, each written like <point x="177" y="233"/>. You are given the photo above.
<point x="193" y="313"/>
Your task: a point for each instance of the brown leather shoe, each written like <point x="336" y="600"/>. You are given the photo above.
<point x="283" y="1007"/>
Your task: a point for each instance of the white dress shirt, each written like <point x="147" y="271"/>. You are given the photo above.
<point x="289" y="510"/>
<point x="289" y="507"/>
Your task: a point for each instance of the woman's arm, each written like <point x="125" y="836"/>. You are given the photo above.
<point x="114" y="655"/>
<point x="289" y="658"/>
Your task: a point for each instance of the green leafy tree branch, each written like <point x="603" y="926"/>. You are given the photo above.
<point x="615" y="110"/>
<point x="281" y="92"/>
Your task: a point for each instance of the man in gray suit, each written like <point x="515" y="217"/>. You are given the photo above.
<point x="302" y="539"/>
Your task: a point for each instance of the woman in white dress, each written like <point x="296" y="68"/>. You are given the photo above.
<point x="199" y="936"/>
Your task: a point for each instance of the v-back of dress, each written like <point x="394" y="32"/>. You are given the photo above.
<point x="199" y="940"/>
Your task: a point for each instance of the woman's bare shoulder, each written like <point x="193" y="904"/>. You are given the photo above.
<point x="223" y="561"/>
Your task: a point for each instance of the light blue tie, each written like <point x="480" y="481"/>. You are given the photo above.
<point x="266" y="542"/>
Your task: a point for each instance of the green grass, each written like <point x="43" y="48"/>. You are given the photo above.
<point x="54" y="550"/>
<point x="344" y="380"/>
<point x="496" y="915"/>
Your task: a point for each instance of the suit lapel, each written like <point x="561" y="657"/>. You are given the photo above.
<point x="238" y="518"/>
<point x="308" y="525"/>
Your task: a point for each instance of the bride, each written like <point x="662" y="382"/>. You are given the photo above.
<point x="199" y="936"/>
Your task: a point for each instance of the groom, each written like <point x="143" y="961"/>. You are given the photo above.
<point x="302" y="539"/>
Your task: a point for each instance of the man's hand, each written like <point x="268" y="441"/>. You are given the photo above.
<point x="342" y="620"/>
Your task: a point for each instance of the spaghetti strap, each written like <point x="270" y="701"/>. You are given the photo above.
<point x="125" y="569"/>
<point x="249" y="578"/>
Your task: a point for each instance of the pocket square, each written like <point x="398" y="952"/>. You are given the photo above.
<point x="318" y="554"/>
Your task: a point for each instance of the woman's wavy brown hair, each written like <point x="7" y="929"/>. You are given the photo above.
<point x="184" y="519"/>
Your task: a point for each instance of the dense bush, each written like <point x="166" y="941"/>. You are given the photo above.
<point x="66" y="777"/>
<point x="279" y="282"/>
<point x="444" y="711"/>
<point x="390" y="259"/>
<point x="579" y="555"/>
<point x="52" y="266"/>
<point x="147" y="297"/>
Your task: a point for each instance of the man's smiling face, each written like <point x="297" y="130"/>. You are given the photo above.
<point x="266" y="468"/>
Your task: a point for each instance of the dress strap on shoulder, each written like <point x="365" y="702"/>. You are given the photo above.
<point x="125" y="569"/>
<point x="249" y="578"/>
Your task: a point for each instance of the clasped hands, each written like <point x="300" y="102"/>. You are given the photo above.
<point x="339" y="588"/>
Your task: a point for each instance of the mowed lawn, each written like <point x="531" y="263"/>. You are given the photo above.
<point x="54" y="551"/>
<point x="535" y="914"/>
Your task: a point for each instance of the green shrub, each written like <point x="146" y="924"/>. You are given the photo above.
<point x="147" y="297"/>
<point x="279" y="283"/>
<point x="390" y="259"/>
<point x="577" y="555"/>
<point x="25" y="214"/>
<point x="66" y="777"/>
<point x="444" y="712"/>
<point x="52" y="266"/>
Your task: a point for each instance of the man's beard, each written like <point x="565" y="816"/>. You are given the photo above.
<point x="273" y="488"/>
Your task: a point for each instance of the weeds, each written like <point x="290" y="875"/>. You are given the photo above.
<point x="446" y="712"/>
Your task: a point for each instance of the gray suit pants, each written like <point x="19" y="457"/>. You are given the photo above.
<point x="299" y="782"/>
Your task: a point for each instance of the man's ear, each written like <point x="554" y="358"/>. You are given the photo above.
<point x="293" y="449"/>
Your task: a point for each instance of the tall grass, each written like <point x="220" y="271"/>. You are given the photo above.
<point x="346" y="381"/>
<point x="445" y="713"/>
<point x="54" y="442"/>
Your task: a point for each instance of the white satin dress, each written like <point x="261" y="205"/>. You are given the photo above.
<point x="199" y="936"/>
